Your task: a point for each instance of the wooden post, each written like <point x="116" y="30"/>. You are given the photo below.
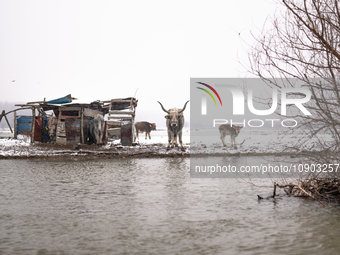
<point x="82" y="125"/>
<point x="33" y="124"/>
<point x="3" y="114"/>
<point x="274" y="192"/>
<point x="8" y="124"/>
<point x="15" y="125"/>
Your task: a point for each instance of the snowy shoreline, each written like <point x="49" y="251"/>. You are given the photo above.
<point x="258" y="143"/>
<point x="21" y="148"/>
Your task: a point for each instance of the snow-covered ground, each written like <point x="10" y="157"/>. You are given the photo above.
<point x="252" y="141"/>
<point x="161" y="136"/>
<point x="22" y="147"/>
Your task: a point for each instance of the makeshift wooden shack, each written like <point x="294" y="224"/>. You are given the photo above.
<point x="121" y="118"/>
<point x="26" y="125"/>
<point x="72" y="123"/>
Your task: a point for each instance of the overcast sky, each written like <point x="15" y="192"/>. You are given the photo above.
<point x="109" y="49"/>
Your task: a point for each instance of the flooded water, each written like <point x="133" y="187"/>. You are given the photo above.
<point x="152" y="206"/>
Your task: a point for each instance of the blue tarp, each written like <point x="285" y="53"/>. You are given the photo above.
<point x="62" y="100"/>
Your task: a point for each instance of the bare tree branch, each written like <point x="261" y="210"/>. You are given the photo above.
<point x="304" y="43"/>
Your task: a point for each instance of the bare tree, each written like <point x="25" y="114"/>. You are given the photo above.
<point x="304" y="43"/>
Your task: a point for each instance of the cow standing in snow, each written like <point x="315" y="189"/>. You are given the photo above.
<point x="174" y="125"/>
<point x="146" y="127"/>
<point x="233" y="131"/>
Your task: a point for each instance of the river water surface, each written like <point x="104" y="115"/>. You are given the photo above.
<point x="152" y="206"/>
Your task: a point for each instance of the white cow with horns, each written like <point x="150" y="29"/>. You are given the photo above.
<point x="174" y="124"/>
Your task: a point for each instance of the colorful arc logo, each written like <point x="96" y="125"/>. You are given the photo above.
<point x="212" y="89"/>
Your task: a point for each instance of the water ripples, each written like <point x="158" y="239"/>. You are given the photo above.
<point x="135" y="206"/>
